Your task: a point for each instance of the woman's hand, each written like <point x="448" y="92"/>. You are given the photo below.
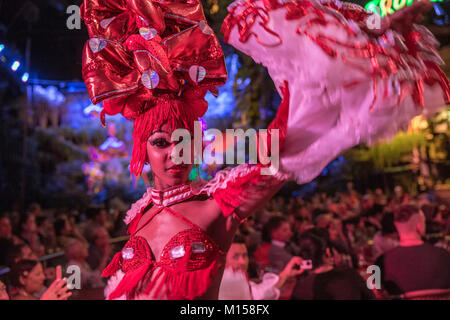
<point x="58" y="290"/>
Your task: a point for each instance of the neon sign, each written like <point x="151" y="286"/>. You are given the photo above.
<point x="384" y="7"/>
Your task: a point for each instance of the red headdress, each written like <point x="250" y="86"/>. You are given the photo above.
<point x="151" y="61"/>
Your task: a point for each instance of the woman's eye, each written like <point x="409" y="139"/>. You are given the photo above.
<point x="160" y="143"/>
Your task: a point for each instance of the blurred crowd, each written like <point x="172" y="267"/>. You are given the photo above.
<point x="343" y="236"/>
<point x="340" y="235"/>
<point x="35" y="242"/>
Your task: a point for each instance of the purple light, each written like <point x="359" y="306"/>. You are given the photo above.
<point x="25" y="77"/>
<point x="15" y="66"/>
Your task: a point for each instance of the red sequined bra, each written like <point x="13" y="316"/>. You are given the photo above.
<point x="190" y="259"/>
<point x="187" y="263"/>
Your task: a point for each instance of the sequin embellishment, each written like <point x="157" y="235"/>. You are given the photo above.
<point x="198" y="247"/>
<point x="177" y="252"/>
<point x="150" y="79"/>
<point x="197" y="73"/>
<point x="97" y="44"/>
<point x="147" y="33"/>
<point x="127" y="253"/>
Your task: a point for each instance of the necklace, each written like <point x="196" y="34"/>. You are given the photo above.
<point x="167" y="197"/>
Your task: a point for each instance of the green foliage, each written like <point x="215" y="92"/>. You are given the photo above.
<point x="388" y="154"/>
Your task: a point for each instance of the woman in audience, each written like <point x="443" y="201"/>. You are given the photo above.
<point x="387" y="238"/>
<point x="28" y="232"/>
<point x="27" y="278"/>
<point x="3" y="292"/>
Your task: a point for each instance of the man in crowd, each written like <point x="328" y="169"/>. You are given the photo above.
<point x="280" y="252"/>
<point x="413" y="265"/>
<point x="235" y="284"/>
<point x="76" y="254"/>
<point x="99" y="248"/>
<point x="97" y="217"/>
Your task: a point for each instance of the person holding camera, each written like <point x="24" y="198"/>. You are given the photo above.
<point x="325" y="281"/>
<point x="236" y="284"/>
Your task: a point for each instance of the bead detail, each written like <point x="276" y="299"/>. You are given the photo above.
<point x="197" y="73"/>
<point x="198" y="247"/>
<point x="150" y="79"/>
<point x="177" y="252"/>
<point x="148" y="33"/>
<point x="127" y="253"/>
<point x="97" y="44"/>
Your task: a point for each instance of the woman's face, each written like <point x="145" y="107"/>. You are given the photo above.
<point x="165" y="171"/>
<point x="33" y="281"/>
<point x="3" y="292"/>
<point x="30" y="224"/>
<point x="27" y="253"/>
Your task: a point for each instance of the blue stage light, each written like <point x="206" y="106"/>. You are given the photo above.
<point x="2" y="46"/>
<point x="15" y="65"/>
<point x="25" y="77"/>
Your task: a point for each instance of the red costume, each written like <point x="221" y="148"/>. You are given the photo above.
<point x="154" y="61"/>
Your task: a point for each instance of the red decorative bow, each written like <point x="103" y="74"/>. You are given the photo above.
<point x="139" y="50"/>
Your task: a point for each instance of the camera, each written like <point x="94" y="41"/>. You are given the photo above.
<point x="305" y="265"/>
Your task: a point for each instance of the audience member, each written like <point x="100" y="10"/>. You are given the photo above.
<point x="100" y="249"/>
<point x="324" y="281"/>
<point x="413" y="265"/>
<point x="76" y="254"/>
<point x="27" y="278"/>
<point x="387" y="238"/>
<point x="278" y="231"/>
<point x="235" y="284"/>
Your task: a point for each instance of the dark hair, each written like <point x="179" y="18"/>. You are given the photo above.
<point x="239" y="239"/>
<point x="405" y="212"/>
<point x="18" y="270"/>
<point x="429" y="211"/>
<point x="23" y="220"/>
<point x="318" y="212"/>
<point x="33" y="207"/>
<point x="313" y="244"/>
<point x="274" y="223"/>
<point x="41" y="220"/>
<point x="376" y="209"/>
<point x="93" y="212"/>
<point x="387" y="224"/>
<point x="59" y="225"/>
<point x="14" y="252"/>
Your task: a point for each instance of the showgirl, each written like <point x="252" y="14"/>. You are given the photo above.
<point x="342" y="80"/>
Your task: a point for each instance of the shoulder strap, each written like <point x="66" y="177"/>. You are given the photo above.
<point x="146" y="222"/>
<point x="183" y="218"/>
<point x="171" y="211"/>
